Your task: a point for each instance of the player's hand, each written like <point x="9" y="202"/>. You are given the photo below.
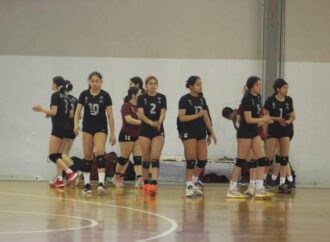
<point x="202" y="113"/>
<point x="237" y="125"/>
<point x="287" y="122"/>
<point x="209" y="140"/>
<point x="155" y="124"/>
<point x="76" y="131"/>
<point x="268" y="120"/>
<point x="37" y="108"/>
<point x="214" y="138"/>
<point x="261" y="124"/>
<point x="112" y="140"/>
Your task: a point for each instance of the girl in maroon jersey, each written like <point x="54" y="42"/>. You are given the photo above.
<point x="129" y="139"/>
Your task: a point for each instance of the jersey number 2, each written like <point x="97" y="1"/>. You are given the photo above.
<point x="153" y="108"/>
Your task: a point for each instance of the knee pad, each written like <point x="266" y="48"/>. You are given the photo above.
<point x="269" y="162"/>
<point x="137" y="160"/>
<point x="155" y="163"/>
<point x="87" y="165"/>
<point x="190" y="165"/>
<point x="252" y="164"/>
<point x="55" y="157"/>
<point x="122" y="161"/>
<point x="146" y="164"/>
<point x="240" y="163"/>
<point x="278" y="159"/>
<point x="201" y="163"/>
<point x="77" y="163"/>
<point x="262" y="162"/>
<point x="284" y="160"/>
<point x="100" y="161"/>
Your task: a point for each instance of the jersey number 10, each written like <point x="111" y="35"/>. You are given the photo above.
<point x="94" y="108"/>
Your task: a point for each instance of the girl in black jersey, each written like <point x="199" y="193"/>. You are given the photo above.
<point x="70" y="136"/>
<point x="195" y="123"/>
<point x="248" y="138"/>
<point x="280" y="108"/>
<point x="97" y="107"/>
<point x="152" y="108"/>
<point x="59" y="112"/>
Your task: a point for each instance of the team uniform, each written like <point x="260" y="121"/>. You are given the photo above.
<point x="152" y="107"/>
<point x="129" y="132"/>
<point x="95" y="120"/>
<point x="73" y="102"/>
<point x="60" y="122"/>
<point x="252" y="104"/>
<point x="195" y="129"/>
<point x="280" y="109"/>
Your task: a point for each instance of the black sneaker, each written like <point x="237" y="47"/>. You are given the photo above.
<point x="243" y="182"/>
<point x="291" y="185"/>
<point x="284" y="188"/>
<point x="100" y="189"/>
<point x="200" y="183"/>
<point x="87" y="189"/>
<point x="272" y="183"/>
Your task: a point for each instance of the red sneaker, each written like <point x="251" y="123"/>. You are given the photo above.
<point x="57" y="184"/>
<point x="152" y="189"/>
<point x="70" y="177"/>
<point x="146" y="188"/>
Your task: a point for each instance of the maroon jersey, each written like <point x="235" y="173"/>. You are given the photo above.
<point x="128" y="129"/>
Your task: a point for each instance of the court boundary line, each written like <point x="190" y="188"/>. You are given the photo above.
<point x="93" y="223"/>
<point x="173" y="224"/>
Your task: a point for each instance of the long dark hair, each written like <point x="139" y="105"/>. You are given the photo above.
<point x="68" y="86"/>
<point x="131" y="91"/>
<point x="59" y="82"/>
<point x="94" y="73"/>
<point x="137" y="81"/>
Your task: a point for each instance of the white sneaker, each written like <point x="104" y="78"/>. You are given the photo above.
<point x="262" y="193"/>
<point x="250" y="191"/>
<point x="100" y="189"/>
<point x="190" y="191"/>
<point x="233" y="193"/>
<point x="198" y="190"/>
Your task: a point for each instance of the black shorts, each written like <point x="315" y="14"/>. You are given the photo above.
<point x="198" y="134"/>
<point x="127" y="138"/>
<point x="279" y="132"/>
<point x="63" y="133"/>
<point x="92" y="130"/>
<point x="150" y="132"/>
<point x="244" y="133"/>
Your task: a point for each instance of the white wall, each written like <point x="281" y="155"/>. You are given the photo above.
<point x="26" y="81"/>
<point x="309" y="87"/>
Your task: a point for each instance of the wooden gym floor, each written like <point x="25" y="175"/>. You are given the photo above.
<point x="30" y="211"/>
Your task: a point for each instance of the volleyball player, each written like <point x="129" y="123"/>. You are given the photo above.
<point x="152" y="109"/>
<point x="280" y="108"/>
<point x="129" y="139"/>
<point x="195" y="123"/>
<point x="97" y="105"/>
<point x="248" y="138"/>
<point x="59" y="113"/>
